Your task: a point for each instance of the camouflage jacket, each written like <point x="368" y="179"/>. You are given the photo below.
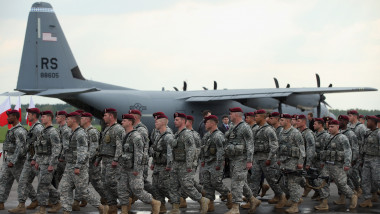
<point x="371" y="146"/>
<point x="77" y="152"/>
<point x="265" y="142"/>
<point x="309" y="139"/>
<point x="337" y="150"/>
<point x="93" y="141"/>
<point x="278" y="130"/>
<point x="353" y="143"/>
<point x="213" y="149"/>
<point x="15" y="144"/>
<point x="143" y="130"/>
<point x="64" y="135"/>
<point x="291" y="147"/>
<point x="32" y="136"/>
<point x="49" y="138"/>
<point x="240" y="142"/>
<point x="110" y="143"/>
<point x="133" y="151"/>
<point x="160" y="149"/>
<point x="155" y="133"/>
<point x="321" y="139"/>
<point x="360" y="130"/>
<point x="198" y="145"/>
<point x="183" y="148"/>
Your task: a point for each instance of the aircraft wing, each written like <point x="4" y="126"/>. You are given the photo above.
<point x="217" y="95"/>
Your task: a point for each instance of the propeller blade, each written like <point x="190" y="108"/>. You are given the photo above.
<point x="330" y="85"/>
<point x="184" y="86"/>
<point x="280" y="107"/>
<point x="319" y="110"/>
<point x="175" y="88"/>
<point x="163" y="89"/>
<point x="276" y="82"/>
<point x="204" y="88"/>
<point x="215" y="85"/>
<point x="324" y="102"/>
<point x="288" y="85"/>
<point x="318" y="80"/>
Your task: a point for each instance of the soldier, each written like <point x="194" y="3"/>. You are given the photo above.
<point x="48" y="147"/>
<point x="294" y="120"/>
<point x="14" y="155"/>
<point x="212" y="162"/>
<point x="110" y="150"/>
<point x="274" y="121"/>
<point x="161" y="177"/>
<point x="132" y="168"/>
<point x="371" y="160"/>
<point x="362" y="119"/>
<point x="201" y="128"/>
<point x="181" y="165"/>
<point x="155" y="133"/>
<point x="76" y="171"/>
<point x="28" y="172"/>
<point x="239" y="148"/>
<point x="336" y="156"/>
<point x="291" y="156"/>
<point x="64" y="134"/>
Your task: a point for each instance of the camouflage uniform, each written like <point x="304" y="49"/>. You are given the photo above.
<point x="239" y="149"/>
<point x="336" y="154"/>
<point x="371" y="162"/>
<point x="110" y="149"/>
<point x="64" y="134"/>
<point x="132" y="161"/>
<point x="309" y="139"/>
<point x="265" y="147"/>
<point x="291" y="152"/>
<point x="360" y="130"/>
<point x="76" y="157"/>
<point x="352" y="176"/>
<point x="48" y="147"/>
<point x="321" y="138"/>
<point x="278" y="130"/>
<point x="161" y="177"/>
<point x="212" y="154"/>
<point x="182" y="158"/>
<point x="14" y="152"/>
<point x="29" y="172"/>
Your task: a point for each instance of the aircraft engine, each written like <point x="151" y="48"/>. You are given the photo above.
<point x="304" y="101"/>
<point x="262" y="103"/>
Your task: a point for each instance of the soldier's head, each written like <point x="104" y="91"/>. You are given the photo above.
<point x="161" y="121"/>
<point x="33" y="114"/>
<point x="47" y="117"/>
<point x="189" y="121"/>
<point x="211" y="122"/>
<point x="249" y="117"/>
<point x="156" y="114"/>
<point x="353" y="116"/>
<point x="333" y="127"/>
<point x="361" y="119"/>
<point x="260" y="116"/>
<point x="372" y="122"/>
<point x="294" y="120"/>
<point x="128" y="120"/>
<point x="301" y="121"/>
<point x="179" y="120"/>
<point x="274" y="118"/>
<point x="343" y="121"/>
<point x="13" y="116"/>
<point x="225" y="119"/>
<point x="110" y="116"/>
<point x="85" y="119"/>
<point x="60" y="117"/>
<point x="73" y="119"/>
<point x="206" y="113"/>
<point x="137" y="114"/>
<point x="319" y="124"/>
<point x="236" y="114"/>
<point x="310" y="116"/>
<point x="285" y="120"/>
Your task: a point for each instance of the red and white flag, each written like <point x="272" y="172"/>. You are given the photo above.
<point x="31" y="105"/>
<point x="4" y="107"/>
<point x="48" y="37"/>
<point x="18" y="107"/>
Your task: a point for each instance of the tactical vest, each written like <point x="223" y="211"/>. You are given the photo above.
<point x="319" y="144"/>
<point x="43" y="145"/>
<point x="332" y="151"/>
<point x="145" y="159"/>
<point x="160" y="150"/>
<point x="236" y="144"/>
<point x="108" y="143"/>
<point x="71" y="152"/>
<point x="287" y="145"/>
<point x="371" y="144"/>
<point x="179" y="153"/>
<point x="9" y="144"/>
<point x="128" y="150"/>
<point x="30" y="139"/>
<point x="209" y="150"/>
<point x="261" y="143"/>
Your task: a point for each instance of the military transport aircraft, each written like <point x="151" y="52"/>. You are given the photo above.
<point x="48" y="68"/>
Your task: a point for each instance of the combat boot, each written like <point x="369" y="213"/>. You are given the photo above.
<point x="55" y="208"/>
<point x="306" y="191"/>
<point x="211" y="207"/>
<point x="163" y="208"/>
<point x="102" y="209"/>
<point x="323" y="206"/>
<point x="282" y="202"/>
<point x="359" y="192"/>
<point x="254" y="204"/>
<point x="264" y="189"/>
<point x="375" y="197"/>
<point x="2" y="206"/>
<point x="76" y="206"/>
<point x="112" y="209"/>
<point x="19" y="209"/>
<point x="354" y="201"/>
<point x="366" y="203"/>
<point x="83" y="203"/>
<point x="246" y="206"/>
<point x="203" y="203"/>
<point x="341" y="200"/>
<point x="130" y="204"/>
<point x="42" y="210"/>
<point x="175" y="209"/>
<point x="32" y="205"/>
<point x="182" y="203"/>
<point x="124" y="209"/>
<point x="234" y="209"/>
<point x="229" y="201"/>
<point x="293" y="208"/>
<point x="290" y="202"/>
<point x="66" y="212"/>
<point x="155" y="206"/>
<point x="134" y="199"/>
<point x="103" y="201"/>
<point x="274" y="200"/>
<point x="223" y="198"/>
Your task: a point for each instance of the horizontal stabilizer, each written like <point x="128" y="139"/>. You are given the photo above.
<point x="13" y="94"/>
<point x="65" y="92"/>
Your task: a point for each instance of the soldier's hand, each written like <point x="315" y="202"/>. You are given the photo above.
<point x="168" y="169"/>
<point x="217" y="168"/>
<point x="96" y="164"/>
<point x="203" y="164"/>
<point x="189" y="170"/>
<point x="36" y="166"/>
<point x="76" y="171"/>
<point x="299" y="166"/>
<point x="33" y="163"/>
<point x="114" y="164"/>
<point x="279" y="163"/>
<point x="346" y="168"/>
<point x="267" y="162"/>
<point x="152" y="167"/>
<point x="135" y="173"/>
<point x="307" y="167"/>
<point x="249" y="165"/>
<point x="10" y="164"/>
<point x="50" y="168"/>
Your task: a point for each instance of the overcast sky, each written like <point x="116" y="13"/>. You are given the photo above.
<point x="150" y="44"/>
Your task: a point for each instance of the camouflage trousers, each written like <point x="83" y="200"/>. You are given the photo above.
<point x="354" y="176"/>
<point x="109" y="179"/>
<point x="290" y="184"/>
<point x="371" y="175"/>
<point x="58" y="173"/>
<point x="196" y="185"/>
<point x="259" y="168"/>
<point x="45" y="187"/>
<point x="239" y="184"/>
<point x="71" y="181"/>
<point x="180" y="179"/>
<point x="25" y="187"/>
<point x="161" y="182"/>
<point x="336" y="173"/>
<point x="213" y="180"/>
<point x="129" y="184"/>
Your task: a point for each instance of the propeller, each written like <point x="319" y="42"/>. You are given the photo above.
<point x="215" y="85"/>
<point x="184" y="86"/>
<point x="280" y="100"/>
<point x="288" y="85"/>
<point x="163" y="89"/>
<point x="175" y="88"/>
<point x="322" y="97"/>
<point x="276" y="82"/>
<point x="204" y="88"/>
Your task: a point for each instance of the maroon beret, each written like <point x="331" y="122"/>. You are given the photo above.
<point x="160" y="116"/>
<point x="135" y="111"/>
<point x="73" y="114"/>
<point x="109" y="110"/>
<point x="33" y="110"/>
<point x="47" y="112"/>
<point x="374" y="118"/>
<point x="158" y="113"/>
<point x="333" y="122"/>
<point x="79" y="111"/>
<point x="13" y="112"/>
<point x="211" y="117"/>
<point x="327" y="119"/>
<point x="252" y="114"/>
<point x="301" y="116"/>
<point x="353" y="112"/>
<point x="343" y="117"/>
<point x="295" y="116"/>
<point x="189" y="117"/>
<point x="361" y="116"/>
<point x="236" y="109"/>
<point x="319" y="119"/>
<point x="274" y="114"/>
<point x="287" y="116"/>
<point x="179" y="115"/>
<point x="260" y="111"/>
<point x="60" y="113"/>
<point x="128" y="116"/>
<point x="86" y="114"/>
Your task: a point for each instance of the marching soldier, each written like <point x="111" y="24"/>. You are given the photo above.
<point x="76" y="171"/>
<point x="14" y="155"/>
<point x="336" y="156"/>
<point x="28" y="172"/>
<point x="132" y="168"/>
<point x="64" y="134"/>
<point x="181" y="165"/>
<point x="110" y="150"/>
<point x="48" y="147"/>
<point x="155" y="132"/>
